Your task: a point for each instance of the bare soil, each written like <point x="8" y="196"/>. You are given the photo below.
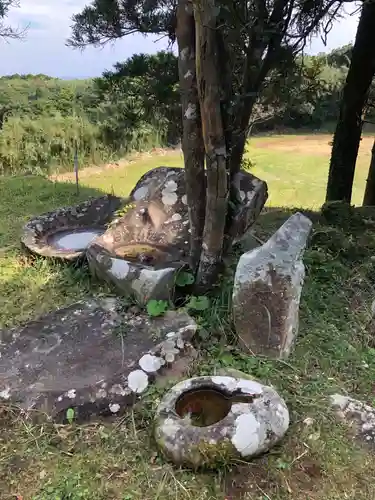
<point x="319" y="144"/>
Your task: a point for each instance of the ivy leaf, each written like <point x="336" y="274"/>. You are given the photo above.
<point x="156" y="307"/>
<point x="184" y="278"/>
<point x="70" y="413"/>
<point x="199" y="303"/>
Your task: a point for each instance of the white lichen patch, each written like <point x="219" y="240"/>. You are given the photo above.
<point x="114" y="407"/>
<point x="170" y="428"/>
<point x="180" y="343"/>
<point x="140" y="193"/>
<point x="150" y="363"/>
<point x="229" y="383"/>
<point x="169" y="357"/>
<point x="184" y="53"/>
<point x="168" y="194"/>
<point x="191" y="111"/>
<point x="339" y="401"/>
<point x="119" y="390"/>
<point x="188" y="74"/>
<point x="246" y="437"/>
<point x="176" y="217"/>
<point x="138" y="381"/>
<point x="119" y="268"/>
<point x="5" y="394"/>
<point x="249" y="386"/>
<point x="71" y="394"/>
<point x="101" y="394"/>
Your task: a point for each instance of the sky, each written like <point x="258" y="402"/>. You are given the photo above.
<point x="43" y="50"/>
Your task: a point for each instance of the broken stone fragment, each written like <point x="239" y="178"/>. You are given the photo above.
<point x="132" y="279"/>
<point x="359" y="416"/>
<point x="267" y="290"/>
<point x="91" y="357"/>
<point x="204" y="421"/>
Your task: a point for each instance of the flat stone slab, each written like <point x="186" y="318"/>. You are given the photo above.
<point x="93" y="357"/>
<point x="359" y="416"/>
<point x="267" y="290"/>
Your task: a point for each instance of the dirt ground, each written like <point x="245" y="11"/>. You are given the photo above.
<point x="317" y="144"/>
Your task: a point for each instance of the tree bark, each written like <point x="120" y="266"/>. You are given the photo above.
<point x="192" y="139"/>
<point x="349" y="126"/>
<point x="210" y="92"/>
<point x="369" y="197"/>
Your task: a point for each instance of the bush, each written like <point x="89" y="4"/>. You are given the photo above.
<point x="39" y="145"/>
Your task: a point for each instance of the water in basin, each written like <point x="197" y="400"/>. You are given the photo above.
<point x="74" y="239"/>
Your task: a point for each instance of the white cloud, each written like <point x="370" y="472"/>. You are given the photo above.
<point x="44" y="50"/>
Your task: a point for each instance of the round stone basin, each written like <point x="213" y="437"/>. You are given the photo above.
<point x="74" y="239"/>
<point x="205" y="421"/>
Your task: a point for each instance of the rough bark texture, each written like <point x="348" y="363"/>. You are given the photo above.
<point x="349" y="127"/>
<point x="369" y="197"/>
<point x="209" y="91"/>
<point x="192" y="141"/>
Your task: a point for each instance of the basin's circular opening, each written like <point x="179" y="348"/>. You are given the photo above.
<point x="204" y="406"/>
<point x="74" y="239"/>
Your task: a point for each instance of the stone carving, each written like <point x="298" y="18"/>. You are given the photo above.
<point x="358" y="415"/>
<point x="205" y="420"/>
<point x="267" y="290"/>
<point x="142" y="251"/>
<point x="92" y="357"/>
<point x="66" y="232"/>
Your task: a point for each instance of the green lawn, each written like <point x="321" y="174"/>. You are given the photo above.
<point x="335" y="352"/>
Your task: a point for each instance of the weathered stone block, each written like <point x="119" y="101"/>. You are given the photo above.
<point x="93" y="357"/>
<point x="359" y="416"/>
<point x="267" y="290"/>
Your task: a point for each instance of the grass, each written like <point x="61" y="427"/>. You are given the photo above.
<point x="318" y="460"/>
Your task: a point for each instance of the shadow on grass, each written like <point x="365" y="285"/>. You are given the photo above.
<point x="24" y="197"/>
<point x="32" y="286"/>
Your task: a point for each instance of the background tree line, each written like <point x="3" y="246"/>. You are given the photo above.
<point x="136" y="106"/>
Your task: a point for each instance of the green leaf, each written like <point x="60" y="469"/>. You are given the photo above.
<point x="156" y="307"/>
<point x="227" y="359"/>
<point x="199" y="303"/>
<point x="70" y="413"/>
<point x="184" y="278"/>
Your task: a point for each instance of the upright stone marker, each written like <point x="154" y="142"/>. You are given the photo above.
<point x="267" y="290"/>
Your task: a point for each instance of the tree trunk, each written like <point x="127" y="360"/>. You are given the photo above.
<point x="210" y="92"/>
<point x="192" y="139"/>
<point x="369" y="197"/>
<point x="349" y="126"/>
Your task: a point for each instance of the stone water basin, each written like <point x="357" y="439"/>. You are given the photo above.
<point x="66" y="232"/>
<point x="203" y="421"/>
